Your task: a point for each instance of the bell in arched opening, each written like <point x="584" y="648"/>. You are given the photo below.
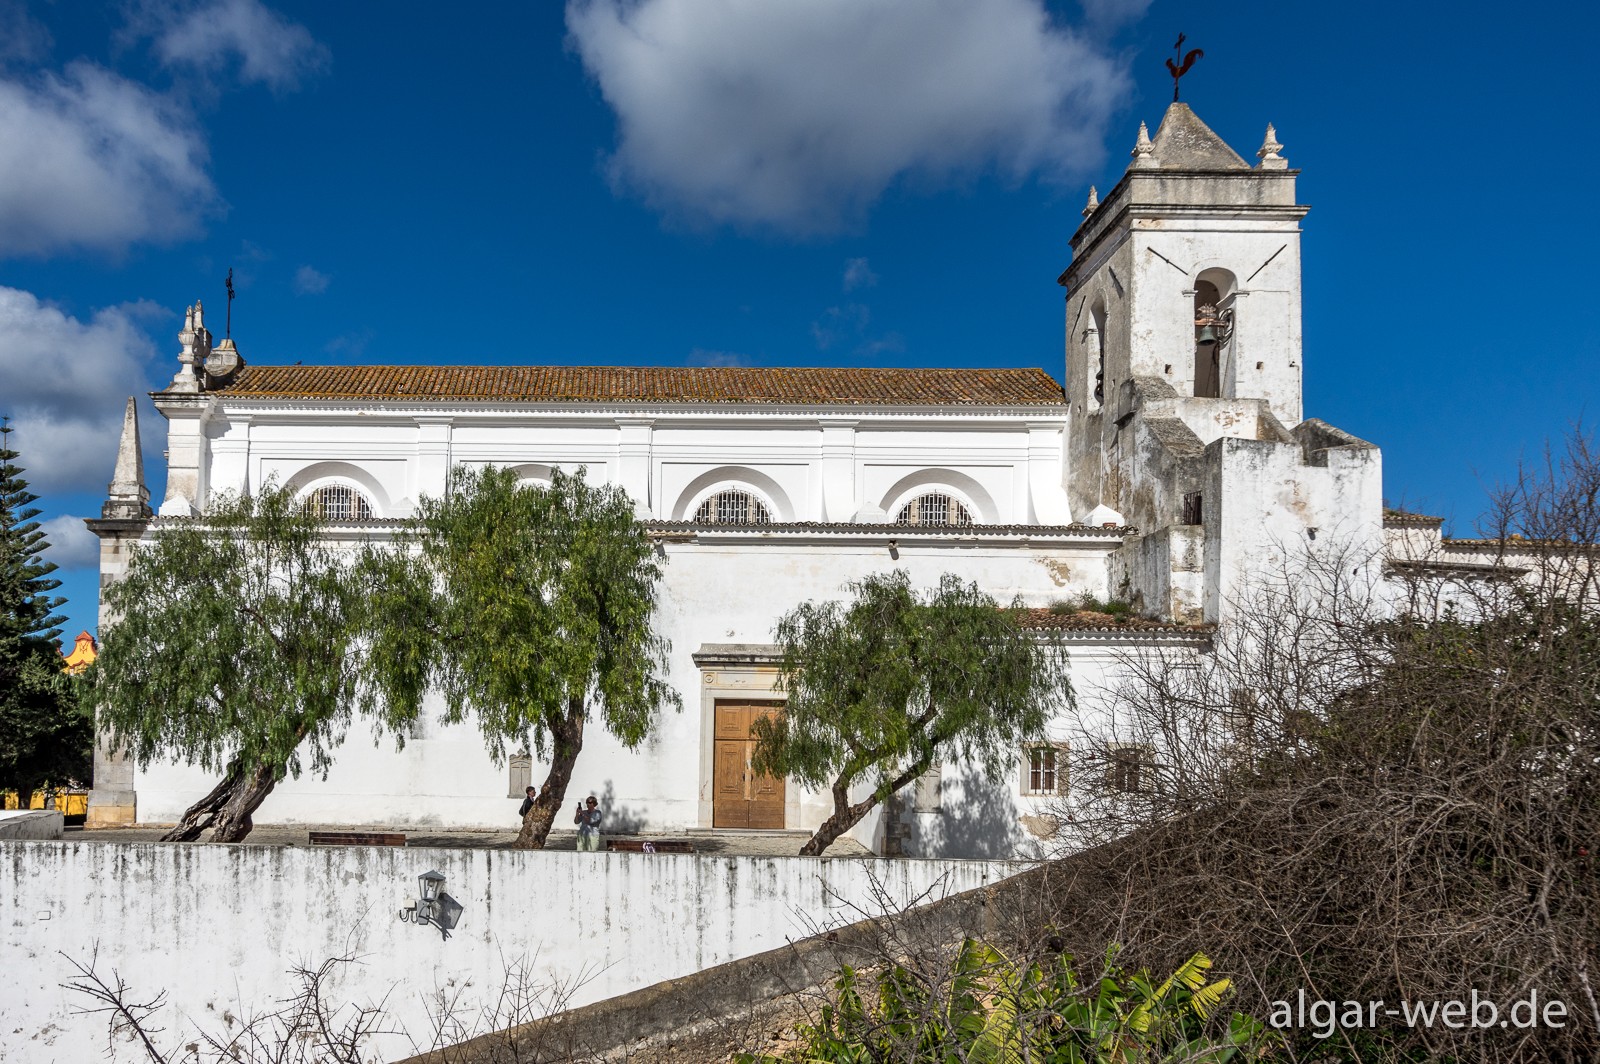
<point x="1210" y="332"/>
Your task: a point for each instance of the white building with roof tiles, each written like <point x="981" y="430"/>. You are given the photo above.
<point x="1173" y="460"/>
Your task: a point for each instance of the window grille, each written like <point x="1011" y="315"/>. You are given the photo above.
<point x="934" y="508"/>
<point x="1043" y="770"/>
<point x="733" y="507"/>
<point x="337" y="502"/>
<point x="1132" y="770"/>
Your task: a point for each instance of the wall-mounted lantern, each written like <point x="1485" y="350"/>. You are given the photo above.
<point x="433" y="905"/>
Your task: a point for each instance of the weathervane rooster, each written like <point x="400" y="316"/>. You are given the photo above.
<point x="1180" y="69"/>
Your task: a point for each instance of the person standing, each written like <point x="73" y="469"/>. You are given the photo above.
<point x="527" y="804"/>
<point x="588" y="821"/>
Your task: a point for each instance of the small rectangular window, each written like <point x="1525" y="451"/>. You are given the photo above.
<point x="1044" y="769"/>
<point x="521" y="776"/>
<point x="1244" y="708"/>
<point x="1131" y="769"/>
<point x="928" y="799"/>
<point x="1194" y="508"/>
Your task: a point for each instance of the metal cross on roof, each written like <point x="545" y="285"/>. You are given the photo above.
<point x="229" y="324"/>
<point x="1179" y="69"/>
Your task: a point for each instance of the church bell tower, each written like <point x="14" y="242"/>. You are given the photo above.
<point x="1184" y="284"/>
<point x="1183" y="374"/>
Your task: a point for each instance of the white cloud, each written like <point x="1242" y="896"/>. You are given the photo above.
<point x="351" y="344"/>
<point x="92" y="160"/>
<point x="72" y="545"/>
<point x="850" y="323"/>
<point x="1108" y="15"/>
<point x="702" y="357"/>
<point x="243" y="37"/>
<point x="887" y="344"/>
<point x="23" y="39"/>
<point x="66" y="384"/>
<point x="857" y="274"/>
<point x="844" y="323"/>
<point x="310" y="282"/>
<point x="796" y="117"/>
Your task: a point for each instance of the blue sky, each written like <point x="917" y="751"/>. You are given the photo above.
<point x="804" y="182"/>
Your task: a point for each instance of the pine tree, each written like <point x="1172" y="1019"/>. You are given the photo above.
<point x="43" y="735"/>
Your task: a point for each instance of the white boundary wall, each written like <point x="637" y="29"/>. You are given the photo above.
<point x="30" y="824"/>
<point x="218" y="927"/>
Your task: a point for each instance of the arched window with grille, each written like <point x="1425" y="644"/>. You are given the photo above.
<point x="934" y="508"/>
<point x="337" y="502"/>
<point x="733" y="507"/>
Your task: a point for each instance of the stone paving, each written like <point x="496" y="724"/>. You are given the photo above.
<point x="733" y="843"/>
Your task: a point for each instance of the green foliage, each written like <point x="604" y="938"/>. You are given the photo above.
<point x="235" y="642"/>
<point x="881" y="687"/>
<point x="43" y="738"/>
<point x="27" y="609"/>
<point x="1088" y="603"/>
<point x="529" y="607"/>
<point x="992" y="1009"/>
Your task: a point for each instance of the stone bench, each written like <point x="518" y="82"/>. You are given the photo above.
<point x="655" y="845"/>
<point x="357" y="838"/>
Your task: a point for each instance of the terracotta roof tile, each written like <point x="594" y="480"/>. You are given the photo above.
<point x="1088" y="620"/>
<point x="653" y="384"/>
<point x="1393" y="518"/>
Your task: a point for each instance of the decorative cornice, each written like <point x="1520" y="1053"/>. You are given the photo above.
<point x="1117" y="208"/>
<point x="737" y="655"/>
<point x="678" y="530"/>
<point x="118" y="526"/>
<point x="690" y="531"/>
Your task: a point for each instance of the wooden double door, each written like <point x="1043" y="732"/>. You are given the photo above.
<point x="739" y="797"/>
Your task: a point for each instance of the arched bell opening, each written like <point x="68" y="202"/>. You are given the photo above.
<point x="1095" y="353"/>
<point x="1213" y="330"/>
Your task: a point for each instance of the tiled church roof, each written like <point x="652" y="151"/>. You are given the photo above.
<point x="653" y="384"/>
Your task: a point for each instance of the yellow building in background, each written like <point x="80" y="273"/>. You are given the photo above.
<point x="72" y="803"/>
<point x="84" y="651"/>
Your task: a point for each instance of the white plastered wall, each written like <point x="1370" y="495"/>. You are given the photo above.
<point x="815" y="464"/>
<point x="731" y="591"/>
<point x="216" y="928"/>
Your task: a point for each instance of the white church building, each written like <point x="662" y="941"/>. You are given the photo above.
<point x="1168" y="458"/>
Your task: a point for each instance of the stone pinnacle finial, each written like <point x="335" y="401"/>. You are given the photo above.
<point x="127" y="497"/>
<point x="1143" y="150"/>
<point x="1270" y="159"/>
<point x="1094" y="202"/>
<point x="196" y="341"/>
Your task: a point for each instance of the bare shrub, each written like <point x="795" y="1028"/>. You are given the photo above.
<point x="1372" y="790"/>
<point x="311" y="1026"/>
<point x="307" y="1029"/>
